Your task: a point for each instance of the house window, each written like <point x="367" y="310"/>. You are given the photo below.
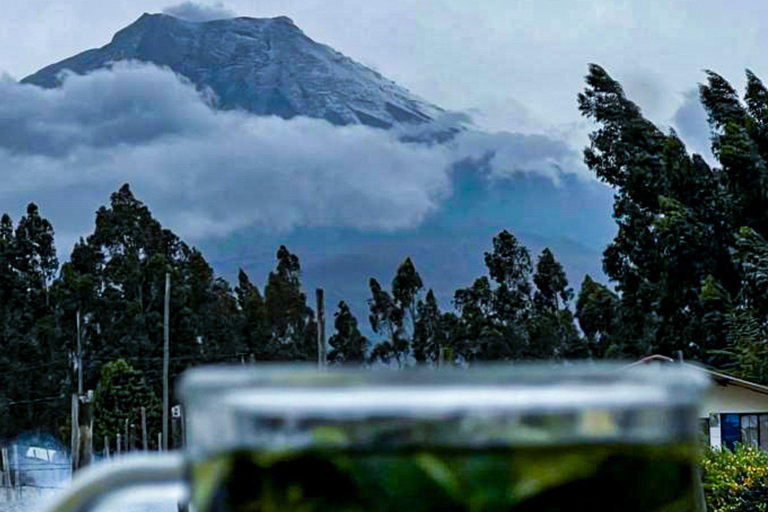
<point x="730" y="426"/>
<point x="747" y="429"/>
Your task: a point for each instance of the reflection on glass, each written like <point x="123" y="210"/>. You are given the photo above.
<point x="749" y="430"/>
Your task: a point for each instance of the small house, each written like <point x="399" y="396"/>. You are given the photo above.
<point x="734" y="411"/>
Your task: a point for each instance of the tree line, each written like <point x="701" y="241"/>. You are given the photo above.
<point x="688" y="266"/>
<point x="114" y="281"/>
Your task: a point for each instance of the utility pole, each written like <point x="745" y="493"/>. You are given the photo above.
<point x="79" y="358"/>
<point x="321" y="360"/>
<point x="78" y="367"/>
<point x="85" y="430"/>
<point x="166" y="357"/>
<point x="144" y="428"/>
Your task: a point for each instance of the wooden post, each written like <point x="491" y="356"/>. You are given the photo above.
<point x="175" y="441"/>
<point x="16" y="468"/>
<point x="79" y="358"/>
<point x="75" y="452"/>
<point x="183" y="422"/>
<point x="144" y="428"/>
<point x="76" y="433"/>
<point x="106" y="448"/>
<point x="85" y="431"/>
<point x="119" y="446"/>
<point x="127" y="437"/>
<point x="6" y="473"/>
<point x="159" y="441"/>
<point x="166" y="357"/>
<point x="321" y="360"/>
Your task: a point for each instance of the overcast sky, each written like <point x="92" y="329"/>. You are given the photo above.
<point x="521" y="62"/>
<point x="515" y="65"/>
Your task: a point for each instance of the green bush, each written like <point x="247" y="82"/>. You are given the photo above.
<point x="735" y="481"/>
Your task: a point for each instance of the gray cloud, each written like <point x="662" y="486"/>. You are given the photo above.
<point x="194" y="11"/>
<point x="508" y="154"/>
<point x="207" y="173"/>
<point x="690" y="121"/>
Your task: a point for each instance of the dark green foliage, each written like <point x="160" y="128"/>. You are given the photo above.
<point x="677" y="218"/>
<point x="596" y="310"/>
<point x="116" y="279"/>
<point x="405" y="289"/>
<point x="387" y="320"/>
<point x="33" y="361"/>
<point x="735" y="481"/>
<point x="553" y="334"/>
<point x="119" y="396"/>
<point x="495" y="320"/>
<point x="256" y="332"/>
<point x="348" y="345"/>
<point x="293" y="331"/>
<point x="690" y="257"/>
<point x="395" y="316"/>
<point x="434" y="332"/>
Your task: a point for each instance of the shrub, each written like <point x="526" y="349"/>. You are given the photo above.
<point x="735" y="481"/>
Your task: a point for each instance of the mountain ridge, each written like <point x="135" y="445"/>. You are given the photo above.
<point x="266" y="66"/>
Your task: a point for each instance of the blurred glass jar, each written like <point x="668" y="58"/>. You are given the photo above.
<point x="518" y="438"/>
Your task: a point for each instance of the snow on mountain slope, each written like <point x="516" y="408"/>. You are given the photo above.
<point x="264" y="66"/>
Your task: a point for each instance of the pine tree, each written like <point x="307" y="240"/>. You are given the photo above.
<point x="476" y="334"/>
<point x="434" y="331"/>
<point x="292" y="323"/>
<point x="256" y="332"/>
<point x="406" y="287"/>
<point x="551" y="329"/>
<point x="348" y="345"/>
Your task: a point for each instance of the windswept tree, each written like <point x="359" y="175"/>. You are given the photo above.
<point x="675" y="215"/>
<point x="689" y="256"/>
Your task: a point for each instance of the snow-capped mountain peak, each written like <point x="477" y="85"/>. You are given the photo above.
<point x="266" y="66"/>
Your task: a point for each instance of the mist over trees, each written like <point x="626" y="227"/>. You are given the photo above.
<point x="688" y="266"/>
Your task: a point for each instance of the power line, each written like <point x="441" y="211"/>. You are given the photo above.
<point x="31" y="401"/>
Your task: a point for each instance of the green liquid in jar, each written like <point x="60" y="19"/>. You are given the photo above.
<point x="594" y="478"/>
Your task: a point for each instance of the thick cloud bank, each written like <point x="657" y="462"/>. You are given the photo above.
<point x="208" y="173"/>
<point x="193" y="11"/>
